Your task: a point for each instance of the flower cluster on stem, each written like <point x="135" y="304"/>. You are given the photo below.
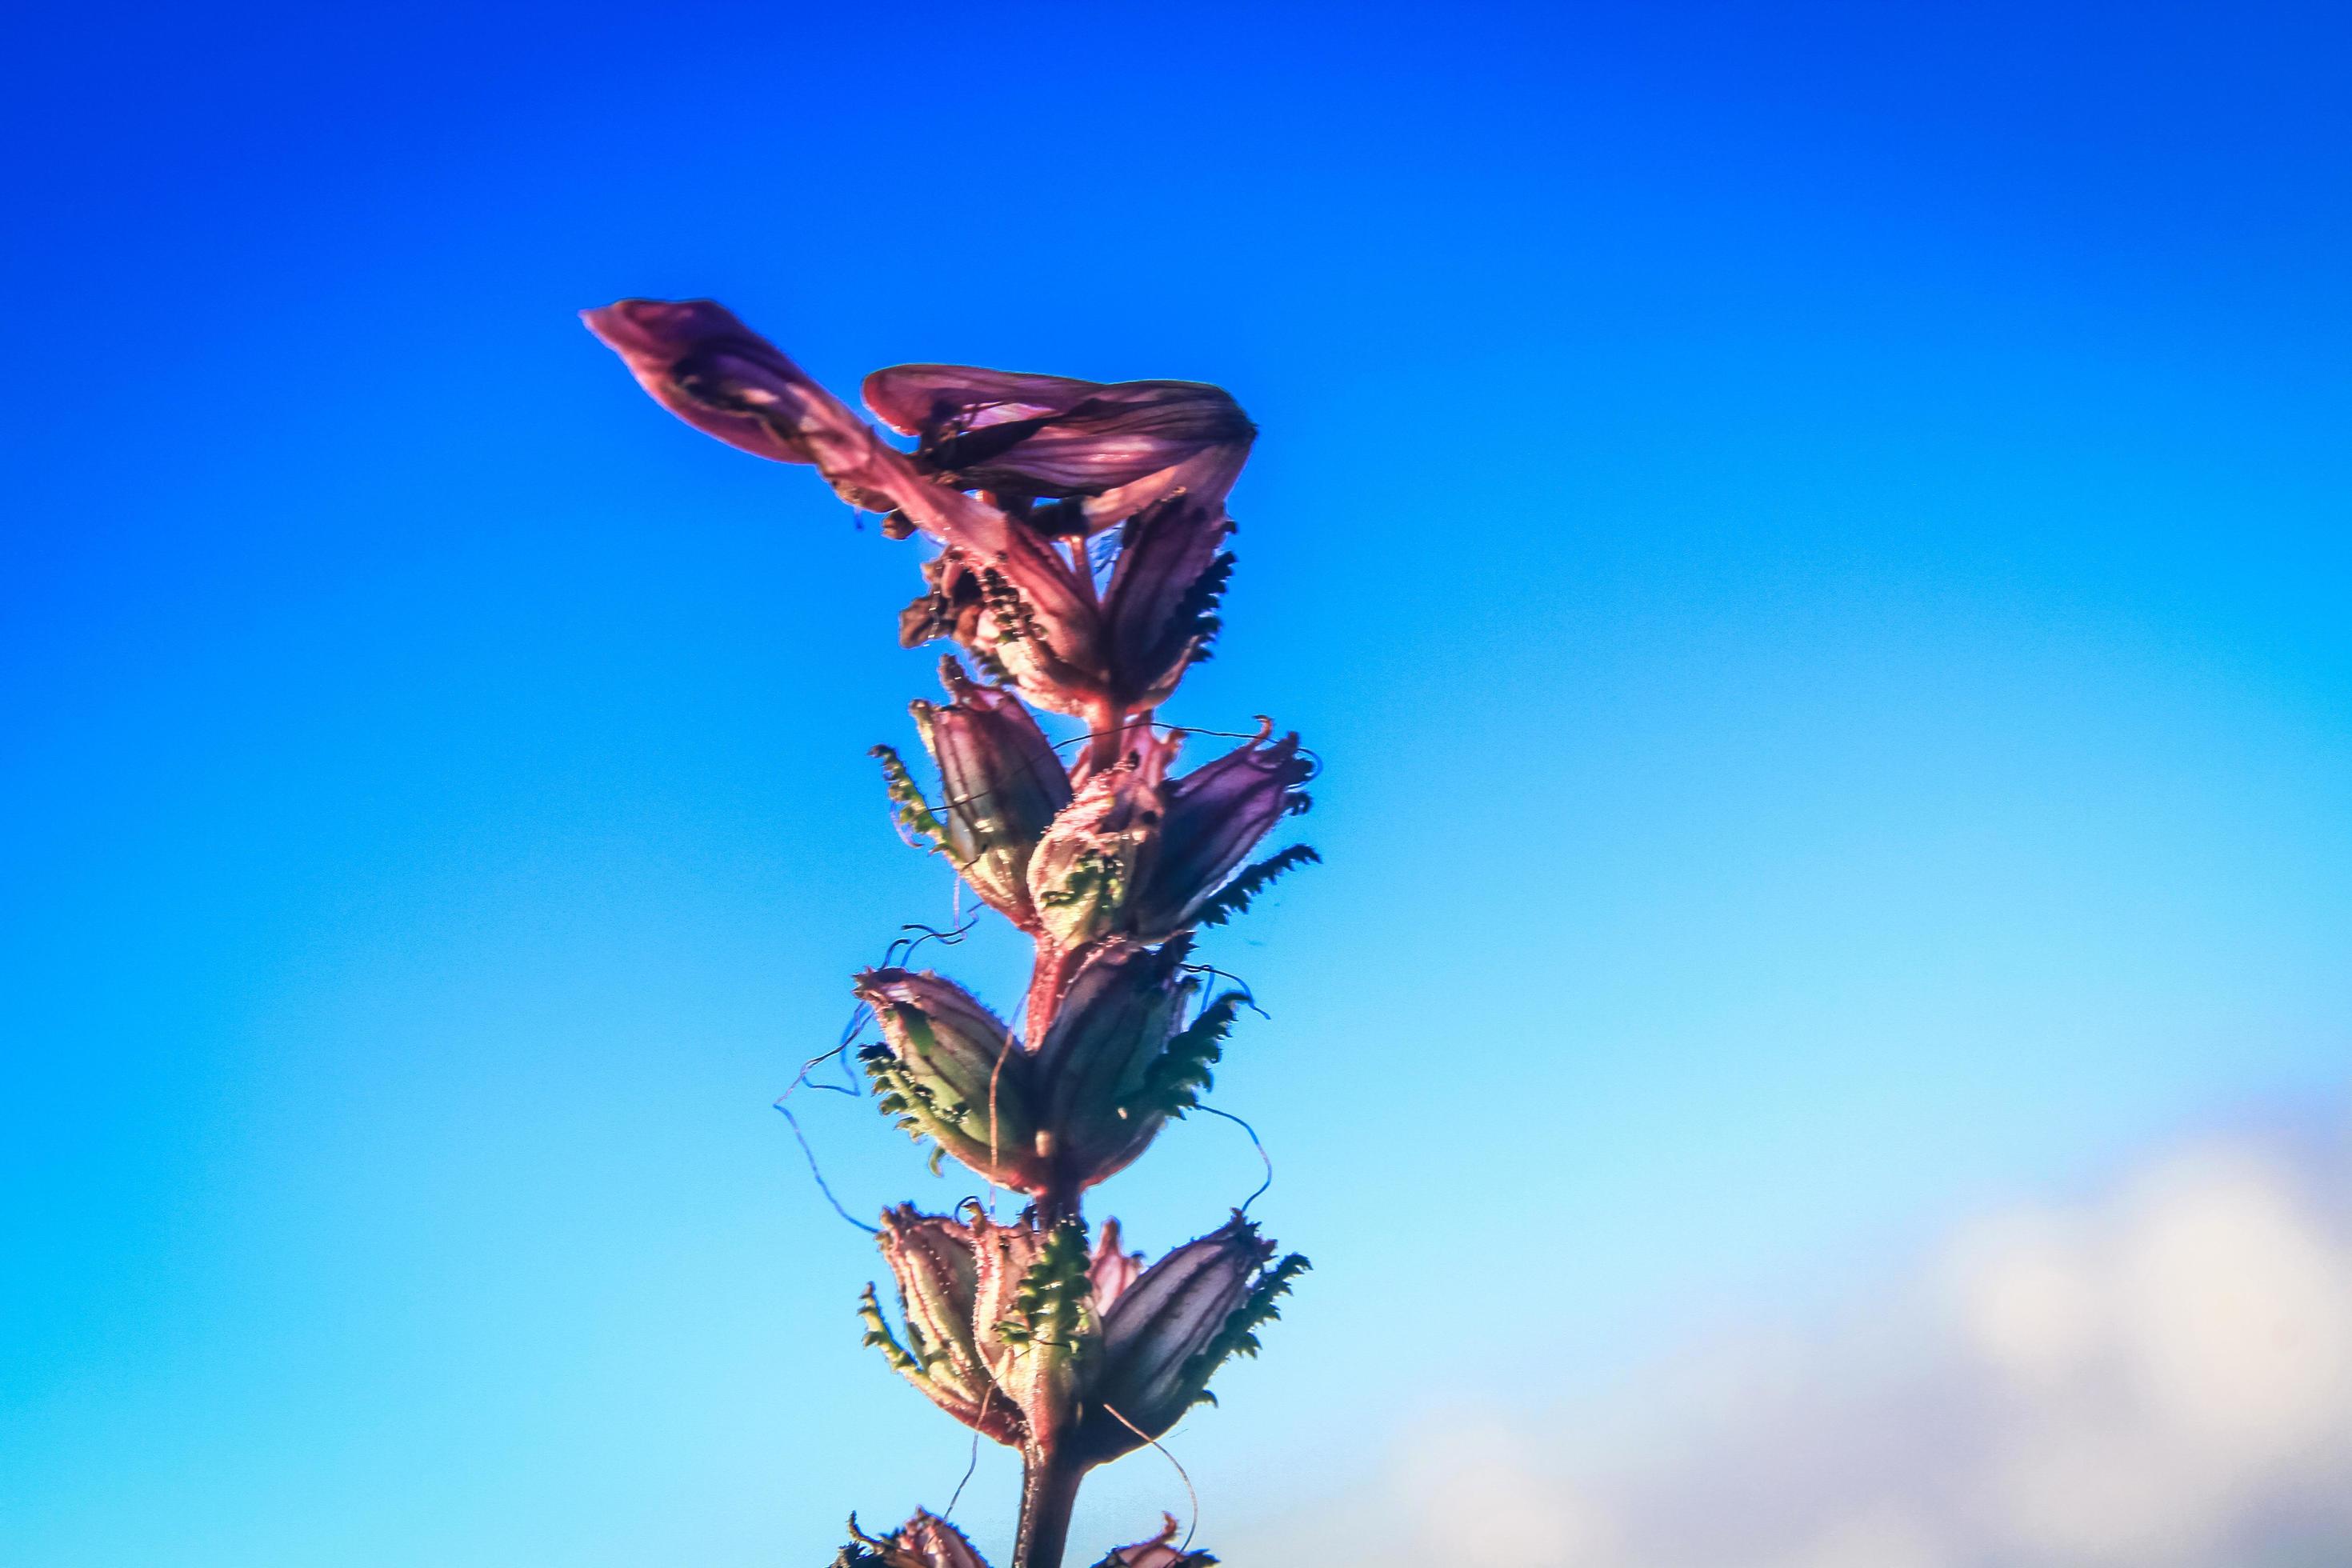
<point x="1079" y="539"/>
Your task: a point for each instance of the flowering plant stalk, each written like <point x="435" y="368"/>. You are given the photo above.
<point x="1081" y="533"/>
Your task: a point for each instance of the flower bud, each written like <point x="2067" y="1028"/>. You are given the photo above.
<point x="1099" y="1071"/>
<point x="1168" y="1334"/>
<point x="925" y="1541"/>
<point x="936" y="1262"/>
<point x="1002" y="785"/>
<point x="1214" y="815"/>
<point x="1160" y="611"/>
<point x="1157" y="1553"/>
<point x="952" y="1071"/>
<point x="1138" y="855"/>
<point x="697" y="359"/>
<point x="1091" y="863"/>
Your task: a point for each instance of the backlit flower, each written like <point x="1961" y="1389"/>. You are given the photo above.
<point x="700" y="362"/>
<point x="1052" y="457"/>
<point x="1109" y="449"/>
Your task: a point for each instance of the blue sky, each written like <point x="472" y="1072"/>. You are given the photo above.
<point x="1810" y="538"/>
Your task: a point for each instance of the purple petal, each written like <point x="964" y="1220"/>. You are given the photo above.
<point x="1214" y="813"/>
<point x="1114" y="1021"/>
<point x="1118" y="446"/>
<point x="1112" y="1269"/>
<point x="704" y="366"/>
<point x="700" y="362"/>
<point x="926" y="399"/>
<point x="1169" y="1316"/>
<point x="1159" y="602"/>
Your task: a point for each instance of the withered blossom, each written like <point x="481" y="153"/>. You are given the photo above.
<point x="1159" y="1552"/>
<point x="1078" y="549"/>
<point x="936" y="1261"/>
<point x="925" y="1541"/>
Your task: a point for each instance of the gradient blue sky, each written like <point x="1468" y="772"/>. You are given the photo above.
<point x="1812" y="538"/>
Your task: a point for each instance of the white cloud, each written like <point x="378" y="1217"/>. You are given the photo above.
<point x="2161" y="1378"/>
<point x="1481" y="1503"/>
<point x="1886" y="1537"/>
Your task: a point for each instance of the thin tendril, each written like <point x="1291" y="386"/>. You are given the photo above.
<point x="948" y="1513"/>
<point x="896" y="955"/>
<point x="1249" y="997"/>
<point x="795" y="1124"/>
<point x="1189" y="1491"/>
<point x="859" y="1019"/>
<point x="1265" y="1158"/>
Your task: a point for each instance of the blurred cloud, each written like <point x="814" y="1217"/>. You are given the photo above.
<point x="2158" y="1376"/>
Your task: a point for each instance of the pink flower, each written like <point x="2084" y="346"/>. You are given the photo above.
<point x="1056" y="458"/>
<point x="708" y="368"/>
<point x="1109" y="449"/>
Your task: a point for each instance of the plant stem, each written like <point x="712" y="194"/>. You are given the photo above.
<point x="1051" y="968"/>
<point x="1108" y="725"/>
<point x="1049" y="1489"/>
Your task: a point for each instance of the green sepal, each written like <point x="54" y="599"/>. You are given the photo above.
<point x="903" y="1362"/>
<point x="1239" y="1336"/>
<point x="1235" y="897"/>
<point x="908" y="808"/>
<point x="1053" y="1305"/>
<point x="1181" y="1074"/>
